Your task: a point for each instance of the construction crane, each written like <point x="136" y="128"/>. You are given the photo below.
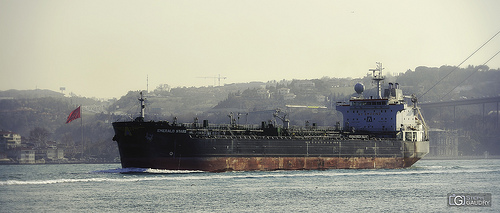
<point x="215" y="78"/>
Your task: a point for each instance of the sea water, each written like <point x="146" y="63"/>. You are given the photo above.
<point x="424" y="187"/>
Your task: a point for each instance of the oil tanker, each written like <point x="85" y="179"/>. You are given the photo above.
<point x="382" y="132"/>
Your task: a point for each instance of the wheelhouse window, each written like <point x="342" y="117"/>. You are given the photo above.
<point x="410" y="136"/>
<point x="368" y="103"/>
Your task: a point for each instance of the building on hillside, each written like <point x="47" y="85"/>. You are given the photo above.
<point x="4" y="158"/>
<point x="443" y="143"/>
<point x="49" y="154"/>
<point x="283" y="91"/>
<point x="263" y="93"/>
<point x="304" y="84"/>
<point x="9" y="140"/>
<point x="55" y="154"/>
<point x="284" y="94"/>
<point x="26" y="156"/>
<point x="320" y="98"/>
<point x="289" y="96"/>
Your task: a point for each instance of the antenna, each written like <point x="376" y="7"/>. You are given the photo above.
<point x="378" y="77"/>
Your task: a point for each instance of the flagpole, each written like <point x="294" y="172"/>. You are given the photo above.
<point x="75" y="114"/>
<point x="81" y="127"/>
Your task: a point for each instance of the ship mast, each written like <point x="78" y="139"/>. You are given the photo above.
<point x="142" y="106"/>
<point x="378" y="77"/>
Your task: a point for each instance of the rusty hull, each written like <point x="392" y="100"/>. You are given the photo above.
<point x="222" y="164"/>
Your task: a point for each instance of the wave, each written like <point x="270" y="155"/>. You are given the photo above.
<point x="38" y="182"/>
<point x="200" y="175"/>
<point x="146" y="171"/>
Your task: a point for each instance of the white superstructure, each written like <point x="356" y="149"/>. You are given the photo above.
<point x="387" y="116"/>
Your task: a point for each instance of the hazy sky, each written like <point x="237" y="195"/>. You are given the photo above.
<point x="107" y="48"/>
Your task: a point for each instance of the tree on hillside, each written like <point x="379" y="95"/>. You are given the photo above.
<point x="39" y="136"/>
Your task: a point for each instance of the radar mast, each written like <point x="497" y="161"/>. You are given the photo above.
<point x="378" y="77"/>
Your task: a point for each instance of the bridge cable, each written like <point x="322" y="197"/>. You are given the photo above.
<point x="458" y="65"/>
<point x="469" y="75"/>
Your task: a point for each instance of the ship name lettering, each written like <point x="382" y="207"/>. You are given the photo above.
<point x="171" y="130"/>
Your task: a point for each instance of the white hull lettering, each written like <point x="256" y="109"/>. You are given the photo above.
<point x="171" y="130"/>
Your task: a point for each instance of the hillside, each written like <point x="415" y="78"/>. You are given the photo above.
<point x="24" y="112"/>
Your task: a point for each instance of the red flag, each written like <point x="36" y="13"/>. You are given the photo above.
<point x="73" y="115"/>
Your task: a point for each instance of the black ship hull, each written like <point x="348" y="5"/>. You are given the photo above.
<point x="162" y="146"/>
<point x="380" y="132"/>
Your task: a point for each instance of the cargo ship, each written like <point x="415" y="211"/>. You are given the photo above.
<point x="382" y="132"/>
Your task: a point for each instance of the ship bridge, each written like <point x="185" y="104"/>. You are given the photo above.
<point x="384" y="114"/>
